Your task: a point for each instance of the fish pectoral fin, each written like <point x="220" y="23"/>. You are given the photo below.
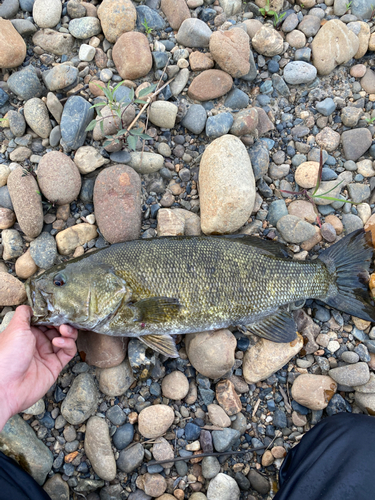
<point x="157" y="309"/>
<point x="278" y="327"/>
<point x="161" y="343"/>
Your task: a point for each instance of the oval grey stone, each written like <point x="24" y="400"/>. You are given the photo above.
<point x="81" y="401"/>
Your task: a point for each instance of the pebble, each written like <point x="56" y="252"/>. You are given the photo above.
<point x="76" y="115"/>
<point x="123" y="436"/>
<point x="224" y="487"/>
<point x="13" y="47"/>
<point x="53" y="41"/>
<point x="27" y="203"/>
<point x="267" y="41"/>
<point x="25" y="83"/>
<point x="117" y="202"/>
<point x="210" y="467"/>
<point x="258" y="482"/>
<point x="25" y="266"/>
<point x="7" y="218"/>
<point x="176" y="12"/>
<point x="84" y="27"/>
<point x="12" y="290"/>
<point x="218" y="416"/>
<point x="116" y="17"/>
<point x="236" y="99"/>
<point x="146" y="163"/>
<point x="266" y="357"/>
<point x="175" y="386"/>
<point x="81" y="401"/>
<point x="43" y="250"/>
<point x="225" y="158"/>
<point x="211" y="353"/>
<point x="313" y="391"/>
<point x="218" y="125"/>
<point x="355" y="142"/>
<point x="154" y="484"/>
<point x="162" y="450"/>
<point x="69" y="239"/>
<point x="19" y="437"/>
<point x="231" y="51"/>
<point x="47" y="13"/>
<point x="326" y="107"/>
<point x="155" y="420"/>
<point x="180" y="82"/>
<point x="36" y="116"/>
<point x="103" y="351"/>
<point x="351" y="375"/>
<point x="131" y="459"/>
<point x="151" y="17"/>
<point x="295" y="230"/>
<point x="9" y="9"/>
<point x="210" y="84"/>
<point x="115" y="381"/>
<point x="56" y="488"/>
<point x="132" y="56"/>
<point x="193" y="33"/>
<point x="163" y="114"/>
<point x="302" y="209"/>
<point x="60" y="77"/>
<point x="59" y="178"/>
<point x="306" y="174"/>
<point x="98" y="448"/>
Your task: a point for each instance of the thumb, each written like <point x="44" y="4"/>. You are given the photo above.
<point x="21" y="318"/>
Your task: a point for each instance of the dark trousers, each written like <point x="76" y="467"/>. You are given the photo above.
<point x="333" y="461"/>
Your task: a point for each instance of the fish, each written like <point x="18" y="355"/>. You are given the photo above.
<point x="152" y="289"/>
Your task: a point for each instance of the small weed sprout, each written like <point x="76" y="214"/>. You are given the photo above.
<point x="370" y="120"/>
<point x="267" y="11"/>
<point x="147" y="28"/>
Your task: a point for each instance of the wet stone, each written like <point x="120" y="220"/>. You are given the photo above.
<point x="25" y="83"/>
<point x="131" y="458"/>
<point x="123" y="436"/>
<point x="223" y="440"/>
<point x="116" y="415"/>
<point x="76" y="115"/>
<point x="43" y="250"/>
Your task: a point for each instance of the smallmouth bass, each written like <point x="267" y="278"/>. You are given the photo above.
<point x="151" y="289"/>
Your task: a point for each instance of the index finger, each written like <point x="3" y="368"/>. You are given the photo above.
<point x="68" y="331"/>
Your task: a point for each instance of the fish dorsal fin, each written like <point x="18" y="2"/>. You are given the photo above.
<point x="161" y="343"/>
<point x="269" y="247"/>
<point x="278" y="327"/>
<point x="157" y="309"/>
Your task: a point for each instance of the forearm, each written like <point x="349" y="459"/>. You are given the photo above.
<point x="5" y="413"/>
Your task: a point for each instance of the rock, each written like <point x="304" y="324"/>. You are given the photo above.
<point x="180" y="82"/>
<point x="359" y="192"/>
<point x="210" y="84"/>
<point x="47" y="13"/>
<point x="218" y="125"/>
<point x="12" y="244"/>
<point x="295" y="230"/>
<point x="306" y="174"/>
<point x="56" y="488"/>
<point x="69" y="239"/>
<point x="355" y="143"/>
<point x="54" y="106"/>
<point x="176" y="11"/>
<point x="13" y="47"/>
<point x="334" y="187"/>
<point x="81" y="401"/>
<point x="155" y="420"/>
<point x="115" y="381"/>
<point x="350" y="116"/>
<point x="9" y="9"/>
<point x="150" y="16"/>
<point x="211" y="353"/>
<point x="231" y="51"/>
<point x="225" y="439"/>
<point x="103" y="351"/>
<point x="266" y="358"/>
<point x="86" y="52"/>
<point x="17" y="126"/>
<point x="224" y="487"/>
<point x="309" y="25"/>
<point x="25" y="266"/>
<point x="43" y="250"/>
<point x="7" y="218"/>
<point x="254" y="25"/>
<point x="210" y="467"/>
<point x="60" y="77"/>
<point x="132" y="56"/>
<point x="230" y="7"/>
<point x="267" y="41"/>
<point x="351" y="375"/>
<point x="59" y="178"/>
<point x="77" y="114"/>
<point x="200" y="61"/>
<point x="195" y="119"/>
<point x="364" y="37"/>
<point x="5" y="200"/>
<point x="296" y="39"/>
<point x="193" y="33"/>
<point x="25" y="83"/>
<point x="98" y="448"/>
<point x="4" y="174"/>
<point x="366" y="402"/>
<point x="258" y="482"/>
<point x="18" y="440"/>
<point x="368" y="81"/>
<point x="154" y="484"/>
<point x="36" y="116"/>
<point x="12" y="293"/>
<point x="175" y="222"/>
<point x="27" y="202"/>
<point x="313" y="391"/>
<point x="162" y="450"/>
<point x="175" y="386"/>
<point x="117" y="202"/>
<point x="225" y="158"/>
<point x="361" y="9"/>
<point x="227" y="397"/>
<point x="84" y="27"/>
<point x="236" y="99"/>
<point x="277" y="209"/>
<point x="163" y="114"/>
<point x="20" y="154"/>
<point x="333" y="45"/>
<point x="218" y="416"/>
<point x="88" y="159"/>
<point x="107" y="124"/>
<point x="151" y="162"/>
<point x="123" y="436"/>
<point x="116" y="17"/>
<point x="297" y="72"/>
<point x="53" y="41"/>
<point x="328" y="139"/>
<point x="131" y="458"/>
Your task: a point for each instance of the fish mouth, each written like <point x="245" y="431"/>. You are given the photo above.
<point x="39" y="301"/>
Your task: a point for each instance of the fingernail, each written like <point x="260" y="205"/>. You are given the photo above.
<point x="69" y="329"/>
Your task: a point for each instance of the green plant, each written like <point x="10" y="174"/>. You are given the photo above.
<point x="147" y="28"/>
<point x="267" y="11"/>
<point x="347" y="6"/>
<point x="370" y="120"/>
<point x="311" y="197"/>
<point x="278" y="18"/>
<point x="118" y="110"/>
<point x="28" y="170"/>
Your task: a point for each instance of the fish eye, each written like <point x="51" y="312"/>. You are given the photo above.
<point x="59" y="280"/>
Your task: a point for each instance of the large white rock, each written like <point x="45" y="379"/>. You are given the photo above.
<point x="223" y="487"/>
<point x="226" y="186"/>
<point x="47" y="13"/>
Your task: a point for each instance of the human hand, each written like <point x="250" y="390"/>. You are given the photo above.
<point x="31" y="359"/>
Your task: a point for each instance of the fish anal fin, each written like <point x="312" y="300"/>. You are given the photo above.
<point x="157" y="309"/>
<point x="161" y="343"/>
<point x="278" y="327"/>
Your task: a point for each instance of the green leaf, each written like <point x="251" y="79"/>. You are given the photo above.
<point x="145" y="136"/>
<point x="102" y="104"/>
<point x="123" y="131"/>
<point x="118" y="85"/>
<point x="335" y="199"/>
<point x="102" y="126"/>
<point x="131" y="95"/>
<point x="139" y="101"/>
<point x="334" y="187"/>
<point x="132" y="142"/>
<point x="147" y="90"/>
<point x="91" y="125"/>
<point x="136" y="131"/>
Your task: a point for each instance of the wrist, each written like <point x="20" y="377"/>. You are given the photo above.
<point x="5" y="412"/>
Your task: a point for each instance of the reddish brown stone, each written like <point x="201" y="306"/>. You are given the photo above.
<point x="102" y="351"/>
<point x="210" y="84"/>
<point x="132" y="56"/>
<point x="117" y="202"/>
<point x="200" y="61"/>
<point x="176" y="11"/>
<point x="227" y="397"/>
<point x="12" y="46"/>
<point x="101" y="58"/>
<point x="231" y="50"/>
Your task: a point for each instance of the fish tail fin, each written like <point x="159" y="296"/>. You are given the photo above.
<point x="349" y="259"/>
